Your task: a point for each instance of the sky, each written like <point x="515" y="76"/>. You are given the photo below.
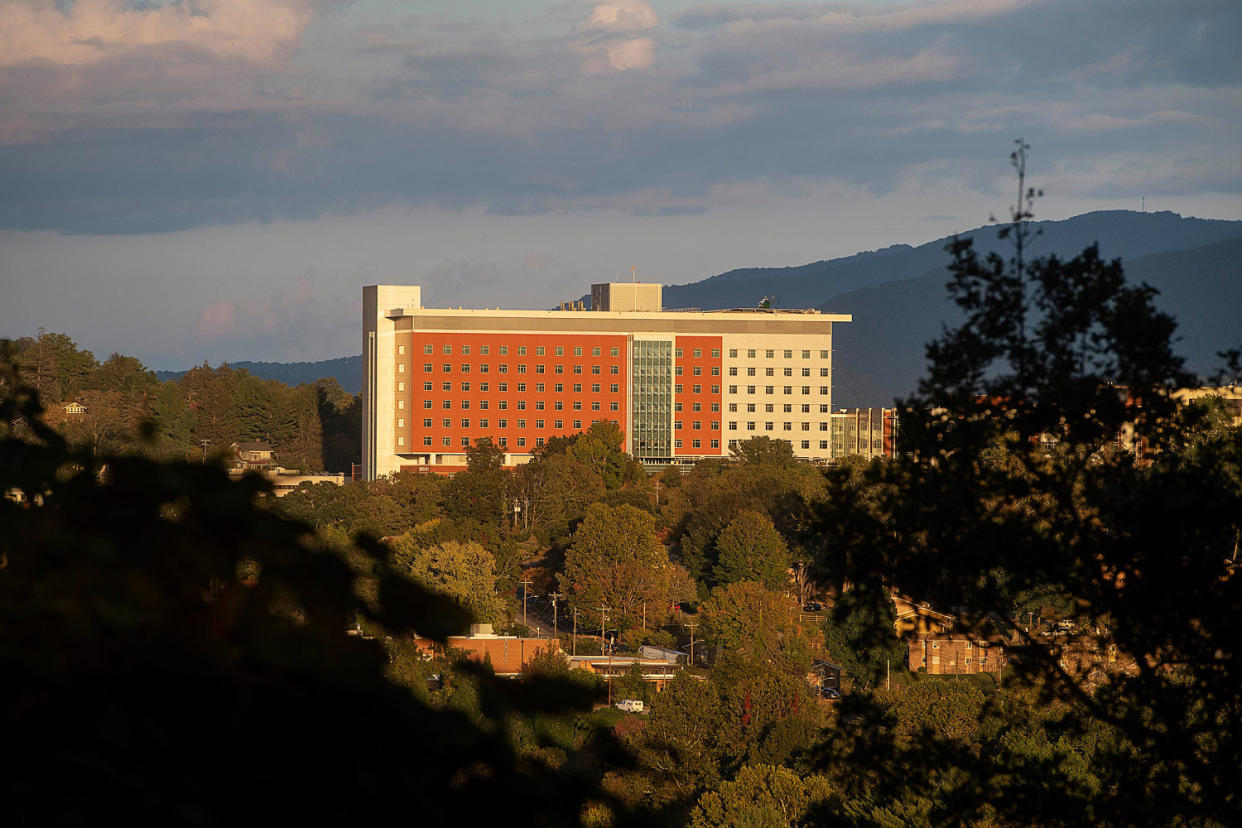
<point x="212" y="180"/>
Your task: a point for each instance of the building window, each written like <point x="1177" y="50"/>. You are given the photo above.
<point x="447" y="369"/>
<point x="806" y="444"/>
<point x="677" y="425"/>
<point x="595" y="351"/>
<point x="696" y="443"/>
<point x="521" y="405"/>
<point x="750" y="389"/>
<point x="577" y="405"/>
<point x="696" y="425"/>
<point x="503" y="368"/>
<point x="768" y="426"/>
<point x="504" y="350"/>
<point x="521" y="388"/>
<point x="733" y="425"/>
<point x="446" y="441"/>
<point x="484" y="350"/>
<point x="677" y="444"/>
<point x="595" y="405"/>
<point x="502" y="386"/>
<point x="483" y="387"/>
<point x="715" y="389"/>
<point x="426" y="403"/>
<point x="465" y="386"/>
<point x="678" y="389"/>
<point x="750" y="353"/>
<point x="615" y="352"/>
<point x="428" y="367"/>
<point x="401" y="386"/>
<point x="427" y="349"/>
<point x="613" y="406"/>
<point x="465" y="349"/>
<point x="560" y="350"/>
<point x="715" y="425"/>
<point x="698" y="353"/>
<point x="767" y="389"/>
<point x="750" y="372"/>
<point x="577" y="388"/>
<point x="502" y="423"/>
<point x="521" y="369"/>
<point x="613" y="369"/>
<point x="426" y="422"/>
<point x="465" y="442"/>
<point x="538" y="423"/>
<point x="733" y="353"/>
<point x="426" y="439"/>
<point x="521" y="424"/>
<point x="446" y="404"/>
<point x="732" y="408"/>
<point x="715" y="444"/>
<point x="577" y="350"/>
<point x="521" y="350"/>
<point x="521" y="441"/>
<point x="823" y="390"/>
<point x="750" y="426"/>
<point x="539" y="350"/>
<point x="539" y="405"/>
<point x="401" y="350"/>
<point x="769" y="353"/>
<point x="750" y="408"/>
<point x="447" y="349"/>
<point x="613" y="387"/>
<point x="400" y="422"/>
<point x="400" y="405"/>
<point x="558" y="424"/>
<point x="595" y="369"/>
<point x="465" y="423"/>
<point x="823" y="444"/>
<point x="732" y="389"/>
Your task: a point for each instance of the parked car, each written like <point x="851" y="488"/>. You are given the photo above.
<point x="630" y="705"/>
<point x="813" y="606"/>
<point x="830" y="693"/>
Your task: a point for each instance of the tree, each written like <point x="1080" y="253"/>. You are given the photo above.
<point x="465" y="572"/>
<point x="860" y="634"/>
<point x="941" y="708"/>
<point x="769" y="795"/>
<point x="750" y="549"/>
<point x="616" y="560"/>
<point x="1012" y="479"/>
<point x="211" y="635"/>
<point x="760" y="624"/>
<point x="764" y="451"/>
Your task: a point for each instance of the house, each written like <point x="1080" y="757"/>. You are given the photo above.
<point x="254" y="455"/>
<point x="74" y="409"/>
<point x="956" y="654"/>
<point x="918" y="617"/>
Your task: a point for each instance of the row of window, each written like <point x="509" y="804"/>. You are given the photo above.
<point x="503" y="350"/>
<point x="447" y="422"/>
<point x="501" y="440"/>
<point x="696" y="425"/>
<point x="698" y="406"/>
<point x="771" y="371"/>
<point x="697" y="370"/>
<point x="503" y="368"/>
<point x="770" y="353"/>
<point x="771" y="389"/>
<point x="697" y="443"/>
<point x="503" y="405"/>
<point x="771" y="408"/>
<point x="806" y="444"/>
<point x="771" y="426"/>
<point x="698" y="353"/>
<point x="520" y="387"/>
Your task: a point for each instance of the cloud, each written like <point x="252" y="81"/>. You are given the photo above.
<point x="609" y="42"/>
<point x="621" y="16"/>
<point x="90" y="30"/>
<point x="216" y="320"/>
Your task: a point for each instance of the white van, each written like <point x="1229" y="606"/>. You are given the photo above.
<point x="630" y="705"/>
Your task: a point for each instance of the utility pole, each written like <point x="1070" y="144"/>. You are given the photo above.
<point x="888" y="683"/>
<point x="644" y="615"/>
<point x="525" y="582"/>
<point x="205" y="444"/>
<point x="574" y="650"/>
<point x="603" y="639"/>
<point x="691" y="628"/>
<point x="555" y="596"/>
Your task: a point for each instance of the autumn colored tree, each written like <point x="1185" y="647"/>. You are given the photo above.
<point x="616" y="561"/>
<point x="748" y="619"/>
<point x="465" y="572"/>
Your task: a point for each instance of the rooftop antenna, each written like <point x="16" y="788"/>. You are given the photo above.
<point x="1143" y="202"/>
<point x="633" y="275"/>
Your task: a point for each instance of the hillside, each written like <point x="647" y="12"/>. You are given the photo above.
<point x="880" y="355"/>
<point x="345" y="370"/>
<point x="1122" y="233"/>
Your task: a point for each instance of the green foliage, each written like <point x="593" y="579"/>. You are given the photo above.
<point x="173" y="652"/>
<point x="748" y="619"/>
<point x="616" y="561"/>
<point x="860" y="634"/>
<point x="464" y="572"/>
<point x="943" y="708"/>
<point x="750" y="549"/>
<point x="631" y="685"/>
<point x="765" y="795"/>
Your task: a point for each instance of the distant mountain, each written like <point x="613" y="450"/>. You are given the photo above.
<point x="898" y="299"/>
<point x="880" y="355"/>
<point x="345" y="370"/>
<point x="1120" y="233"/>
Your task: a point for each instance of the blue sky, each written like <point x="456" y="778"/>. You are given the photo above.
<point x="215" y="179"/>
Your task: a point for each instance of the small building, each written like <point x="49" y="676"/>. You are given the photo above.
<point x="957" y="654"/>
<point x="74" y="409"/>
<point x="825" y="674"/>
<point x="507" y="654"/>
<point x="655" y="671"/>
<point x="253" y="455"/>
<point x="649" y="651"/>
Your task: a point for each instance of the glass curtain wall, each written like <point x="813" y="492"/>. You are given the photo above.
<point x="651" y="401"/>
